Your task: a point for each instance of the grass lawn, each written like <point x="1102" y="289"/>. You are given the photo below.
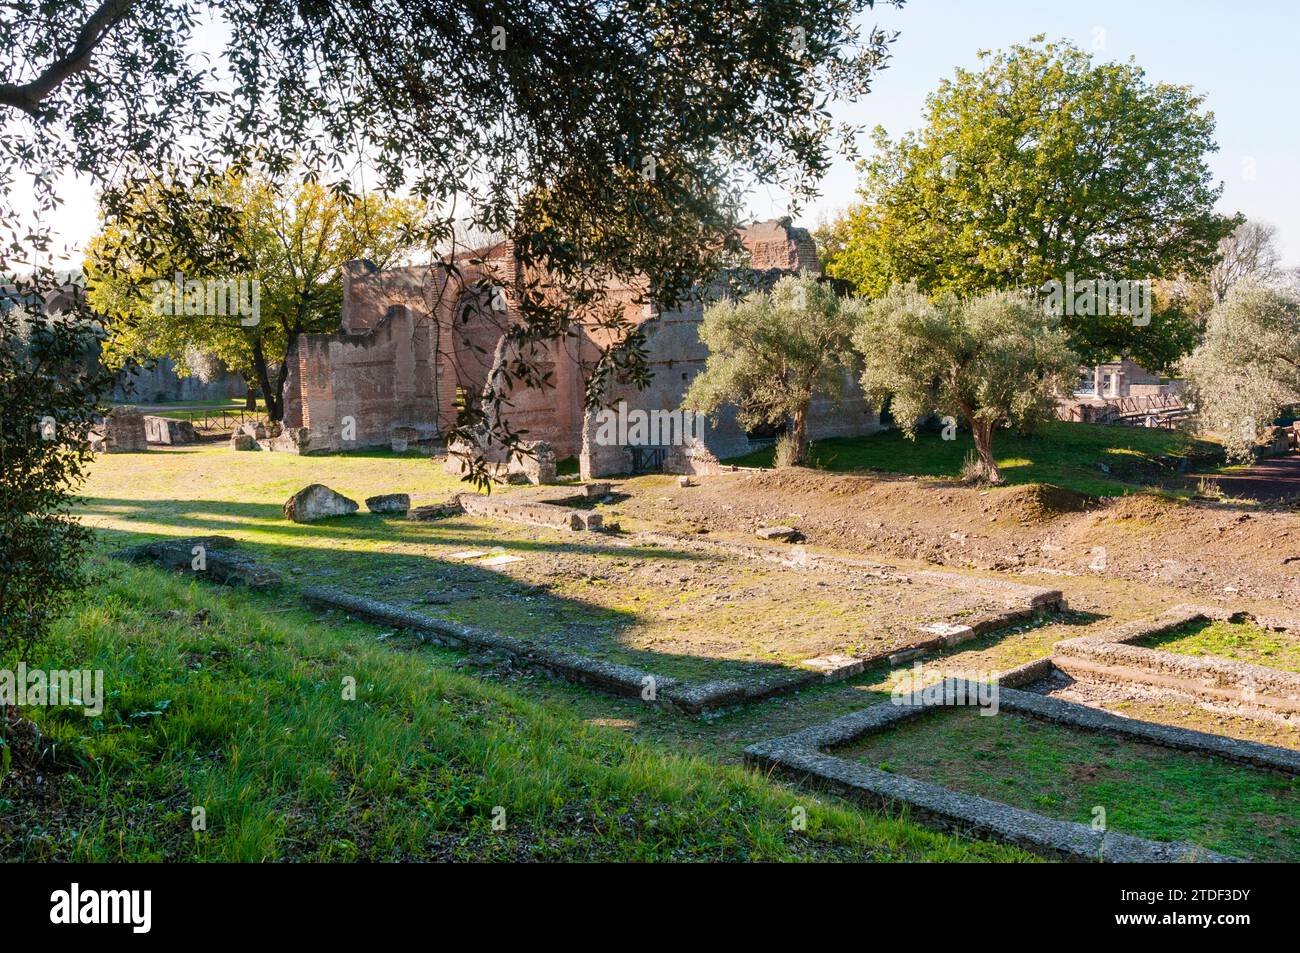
<point x="669" y="611"/>
<point x="1064" y="772"/>
<point x="233" y="702"/>
<point x="1066" y="454"/>
<point x="1239" y="641"/>
<point x="225" y="701"/>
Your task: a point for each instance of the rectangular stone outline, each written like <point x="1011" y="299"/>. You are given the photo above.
<point x="613" y="678"/>
<point x="1024" y="602"/>
<point x="1112" y="657"/>
<point x="610" y="677"/>
<point x="802" y="755"/>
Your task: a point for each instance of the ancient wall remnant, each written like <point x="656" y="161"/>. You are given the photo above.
<point x="415" y="342"/>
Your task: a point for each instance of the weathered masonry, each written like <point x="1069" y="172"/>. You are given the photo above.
<point x="414" y="341"/>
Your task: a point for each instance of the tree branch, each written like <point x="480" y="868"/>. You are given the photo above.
<point x="28" y="96"/>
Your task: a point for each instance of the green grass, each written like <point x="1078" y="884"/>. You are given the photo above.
<point x="1240" y="641"/>
<point x="1066" y="773"/>
<point x="1066" y="454"/>
<point x="665" y="610"/>
<point x="224" y="701"/>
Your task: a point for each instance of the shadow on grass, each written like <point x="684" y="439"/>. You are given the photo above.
<point x="455" y="590"/>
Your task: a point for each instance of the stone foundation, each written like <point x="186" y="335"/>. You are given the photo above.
<point x="205" y="557"/>
<point x="803" y="755"/>
<point x="1253" y="691"/>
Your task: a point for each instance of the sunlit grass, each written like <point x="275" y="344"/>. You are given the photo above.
<point x="228" y="703"/>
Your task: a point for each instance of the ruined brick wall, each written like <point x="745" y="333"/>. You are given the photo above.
<point x="675" y="356"/>
<point x="853" y="416"/>
<point x="411" y="337"/>
<point x="778" y="244"/>
<point x="367" y="384"/>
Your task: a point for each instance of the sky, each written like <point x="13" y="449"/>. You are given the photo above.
<point x="1243" y="56"/>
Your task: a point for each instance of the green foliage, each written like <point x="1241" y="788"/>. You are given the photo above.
<point x="772" y="352"/>
<point x="1060" y="453"/>
<point x="607" y="141"/>
<point x="1247" y="368"/>
<point x="991" y="361"/>
<point x="1040" y="164"/>
<point x="290" y="239"/>
<point x="49" y="392"/>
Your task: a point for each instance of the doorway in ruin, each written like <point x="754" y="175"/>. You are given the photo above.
<point x="648" y="460"/>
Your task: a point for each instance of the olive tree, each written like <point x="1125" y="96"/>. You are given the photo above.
<point x="772" y="352"/>
<point x="1246" y="369"/>
<point x="994" y="360"/>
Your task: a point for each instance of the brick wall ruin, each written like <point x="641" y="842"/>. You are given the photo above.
<point x="412" y="341"/>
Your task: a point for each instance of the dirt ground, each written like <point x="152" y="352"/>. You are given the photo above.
<point x="676" y="610"/>
<point x="1199" y="550"/>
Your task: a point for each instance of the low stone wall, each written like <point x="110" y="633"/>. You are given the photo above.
<point x="803" y="755"/>
<point x="205" y="557"/>
<point x="530" y="512"/>
<point x="1107" y="658"/>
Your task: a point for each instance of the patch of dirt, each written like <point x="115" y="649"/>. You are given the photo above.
<point x="1222" y="550"/>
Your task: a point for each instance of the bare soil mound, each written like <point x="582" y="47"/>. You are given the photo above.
<point x="1224" y="550"/>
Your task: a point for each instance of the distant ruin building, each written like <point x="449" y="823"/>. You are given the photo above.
<point x="414" y="342"/>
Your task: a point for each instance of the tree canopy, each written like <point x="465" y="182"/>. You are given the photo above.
<point x="606" y="141"/>
<point x="991" y="360"/>
<point x="772" y="352"/>
<point x="1039" y="165"/>
<point x="289" y="239"/>
<point x="1246" y="370"/>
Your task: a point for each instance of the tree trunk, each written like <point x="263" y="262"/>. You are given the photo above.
<point x="982" y="431"/>
<point x="799" y="435"/>
<point x="250" y="400"/>
<point x="274" y="395"/>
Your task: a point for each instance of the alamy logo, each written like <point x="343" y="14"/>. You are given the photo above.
<point x="73" y="906"/>
<point x="213" y="298"/>
<point x="930" y="687"/>
<point x="79" y="688"/>
<point x="1099" y="297"/>
<point x="647" y="428"/>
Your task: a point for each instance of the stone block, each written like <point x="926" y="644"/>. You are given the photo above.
<point x="536" y="463"/>
<point x="436" y="511"/>
<point x="389" y="503"/>
<point x="124" y="431"/>
<point x="951" y="633"/>
<point x="784" y="534"/>
<point x="317" y="502"/>
<point x="834" y="667"/>
<point x="164" y="430"/>
<point x="242" y="441"/>
<point x="583" y="520"/>
<point x="402" y="438"/>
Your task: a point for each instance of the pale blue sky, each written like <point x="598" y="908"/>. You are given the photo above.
<point x="1242" y="55"/>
